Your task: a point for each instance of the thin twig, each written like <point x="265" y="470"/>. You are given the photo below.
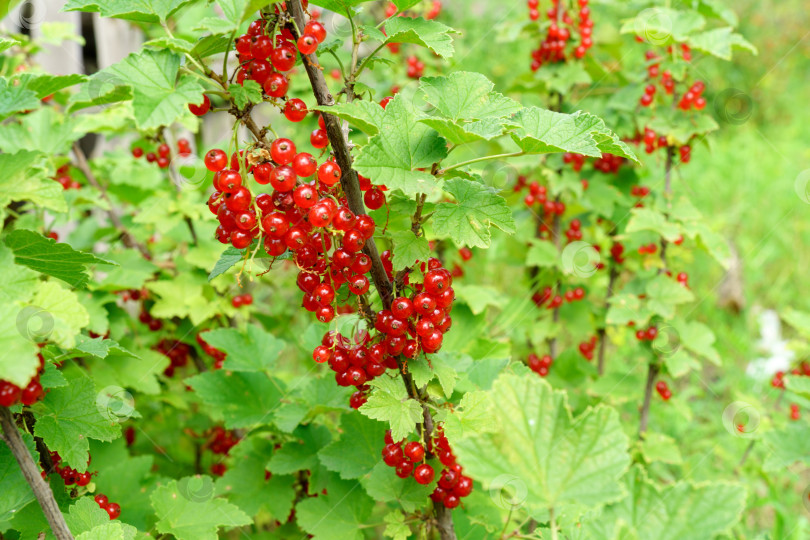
<point x="42" y="491"/>
<point x="652" y="373"/>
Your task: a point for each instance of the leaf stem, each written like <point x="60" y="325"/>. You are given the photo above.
<point x="552" y="524"/>
<point x="42" y="491"/>
<point x="482" y="158"/>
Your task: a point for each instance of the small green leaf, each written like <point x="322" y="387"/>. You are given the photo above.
<point x="385" y="486"/>
<point x="401" y="412"/>
<point x="149" y="11"/>
<point x="44" y="85"/>
<point x="647" y="219"/>
<point x="660" y="447"/>
<point x="466" y="95"/>
<point x="301" y="453"/>
<point x="541" y="131"/>
<point x="347" y="507"/>
<point x="394" y="155"/>
<point x="365" y="115"/>
<point x="255" y="350"/>
<point x="543" y="254"/>
<point x="408" y="248"/>
<point x="25" y="179"/>
<point x="477" y="208"/>
<point x="664" y="294"/>
<point x="188" y="510"/>
<point x="244" y="399"/>
<point x="68" y="416"/>
<point x="357" y="450"/>
<point x="15" y="98"/>
<point x="247" y="92"/>
<point x="45" y="255"/>
<point x="664" y="26"/>
<point x="431" y="34"/>
<point x="720" y="42"/>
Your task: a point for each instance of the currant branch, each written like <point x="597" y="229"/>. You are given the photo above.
<point x="42" y="491"/>
<point x="351" y="188"/>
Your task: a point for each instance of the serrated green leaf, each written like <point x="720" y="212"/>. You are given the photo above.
<point x="647" y="219"/>
<point x="541" y="131"/>
<point x="149" y="11"/>
<point x="408" y="248"/>
<point x="664" y="294"/>
<point x="402" y="146"/>
<point x="229" y="257"/>
<point x="18" y="359"/>
<point x="681" y="510"/>
<point x="798" y="385"/>
<point x="787" y="445"/>
<point x="720" y="42"/>
<point x="660" y="447"/>
<point x="68" y="416"/>
<point x="477" y="208"/>
<point x="114" y="530"/>
<point x="664" y="26"/>
<point x="472" y="416"/>
<point x="255" y="350"/>
<point x="395" y="527"/>
<point x="466" y="96"/>
<point x="543" y="254"/>
<point x="178" y="45"/>
<point x="385" y="486"/>
<point x="61" y="314"/>
<point x="539" y="448"/>
<point x="698" y="339"/>
<point x="194" y="514"/>
<point x="626" y="308"/>
<point x="48" y="257"/>
<point x="457" y="132"/>
<point x="189" y="295"/>
<point x="341" y="513"/>
<point x="247" y="92"/>
<point x="301" y="453"/>
<point x="44" y="85"/>
<point x="46" y="130"/>
<point x="401" y="413"/>
<point x="15" y="98"/>
<point x="245" y="484"/>
<point x="357" y="450"/>
<point x="479" y="297"/>
<point x="85" y="516"/>
<point x="25" y="179"/>
<point x="431" y="34"/>
<point x="244" y="399"/>
<point x="365" y="115"/>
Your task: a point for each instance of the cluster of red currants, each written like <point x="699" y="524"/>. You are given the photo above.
<point x="69" y="475"/>
<point x="794" y="411"/>
<point x="693" y="98"/>
<point x="64" y="178"/>
<point x="416" y="68"/>
<point x="608" y="163"/>
<point x="649" y="249"/>
<point x="405" y="456"/>
<point x="146" y="318"/>
<point x="538" y="364"/>
<point x="242" y="300"/>
<point x="163" y="156"/>
<point x="213" y="352"/>
<point x="559" y="32"/>
<point x="413" y="324"/>
<point x="176" y="351"/>
<point x="220" y="442"/>
<point x="617" y="252"/>
<point x="266" y="62"/>
<point x="112" y="509"/>
<point x="586" y="348"/>
<point x="431" y="10"/>
<point x="11" y="394"/>
<point x="647" y="335"/>
<point x="663" y="390"/>
<point x="574" y="231"/>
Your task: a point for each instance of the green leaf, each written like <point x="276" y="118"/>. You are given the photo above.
<point x="15" y="492"/>
<point x="387" y="404"/>
<point x="698" y="339"/>
<point x="301" y="453"/>
<point x="188" y="510"/>
<point x="720" y="42"/>
<point x="148" y="11"/>
<point x="459" y="132"/>
<point x="542" y="131"/>
<point x="229" y="257"/>
<point x="86" y="515"/>
<point x="18" y="359"/>
<point x="385" y="486"/>
<point x="7" y="42"/>
<point x="24" y="179"/>
<point x="681" y="510"/>
<point x="15" y="98"/>
<point x="664" y="26"/>
<point x="479" y="297"/>
<point x="647" y="219"/>
<point x="787" y="445"/>
<point x="395" y="526"/>
<point x="664" y="294"/>
<point x="68" y="416"/>
<point x="244" y="399"/>
<point x="357" y="450"/>
<point x="157" y="100"/>
<point x="551" y="458"/>
<point x="114" y="530"/>
<point x="45" y="255"/>
<point x="402" y="146"/>
<point x="660" y="447"/>
<point x="408" y="248"/>
<point x="245" y="485"/>
<point x="471" y="417"/>
<point x="46" y="130"/>
<point x="248" y="92"/>
<point x="44" y="85"/>
<point x="177" y="45"/>
<point x="626" y="308"/>
<point x="543" y="254"/>
<point x="798" y="385"/>
<point x="342" y="513"/>
<point x="466" y="95"/>
<point x="61" y="313"/>
<point x="188" y="295"/>
<point x="477" y="208"/>
<point x="431" y="34"/>
<point x="365" y="115"/>
<point x="256" y="350"/>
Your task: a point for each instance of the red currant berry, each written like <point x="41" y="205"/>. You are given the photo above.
<point x="202" y="108"/>
<point x="424" y="474"/>
<point x="216" y="160"/>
